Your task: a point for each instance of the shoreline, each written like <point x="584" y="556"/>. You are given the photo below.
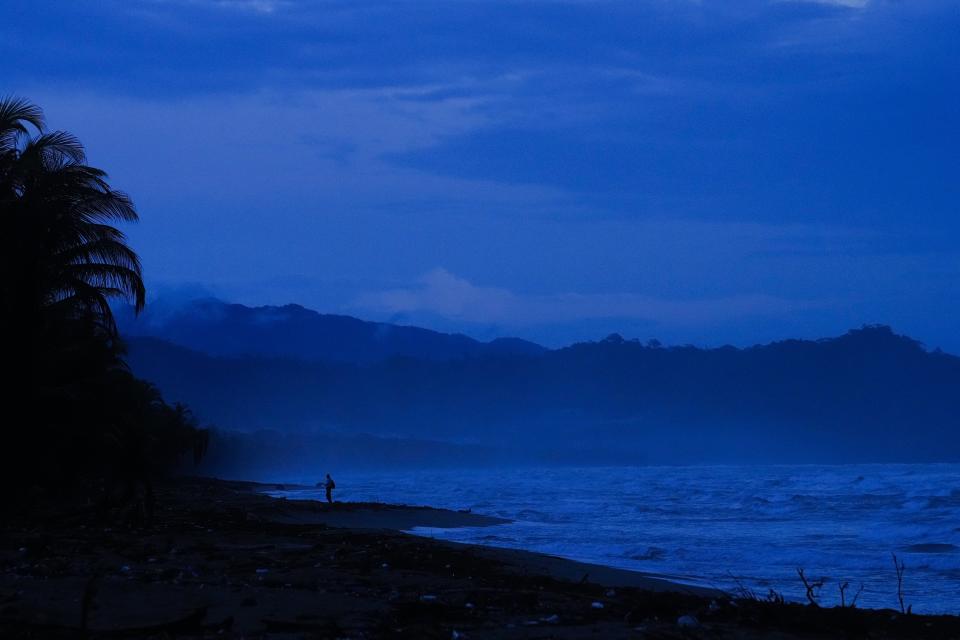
<point x="769" y="521"/>
<point x="407" y="518"/>
<point x="223" y="560"/>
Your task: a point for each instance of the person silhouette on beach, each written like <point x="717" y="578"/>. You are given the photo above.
<point x="330" y="485"/>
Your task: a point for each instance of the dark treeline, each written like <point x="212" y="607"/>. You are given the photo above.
<point x="79" y="424"/>
<point x="869" y="395"/>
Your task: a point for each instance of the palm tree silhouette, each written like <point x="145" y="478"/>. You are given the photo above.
<point x="67" y="259"/>
<point x="87" y="423"/>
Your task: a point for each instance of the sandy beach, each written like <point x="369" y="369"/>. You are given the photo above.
<point x="222" y="559"/>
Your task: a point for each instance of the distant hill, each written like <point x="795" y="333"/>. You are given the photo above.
<point x="218" y="328"/>
<point x="869" y="395"/>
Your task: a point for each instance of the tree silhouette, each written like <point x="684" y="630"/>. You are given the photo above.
<point x="68" y="260"/>
<point x="85" y="420"/>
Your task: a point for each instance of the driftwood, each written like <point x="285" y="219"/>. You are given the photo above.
<point x="813" y="588"/>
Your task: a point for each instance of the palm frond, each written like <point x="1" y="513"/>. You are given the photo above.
<point x="54" y="150"/>
<point x="15" y="115"/>
<point x="104" y="250"/>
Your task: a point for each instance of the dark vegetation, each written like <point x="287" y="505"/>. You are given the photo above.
<point x="855" y="398"/>
<point x="79" y="424"/>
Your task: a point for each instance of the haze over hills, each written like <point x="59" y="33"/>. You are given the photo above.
<point x="859" y="397"/>
<point x="292" y="331"/>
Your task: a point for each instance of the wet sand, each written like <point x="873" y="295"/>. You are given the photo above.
<point x="366" y="515"/>
<point x="222" y="559"/>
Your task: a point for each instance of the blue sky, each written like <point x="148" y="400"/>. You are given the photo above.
<point x="705" y="172"/>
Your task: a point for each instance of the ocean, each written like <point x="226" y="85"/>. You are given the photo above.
<point x="731" y="527"/>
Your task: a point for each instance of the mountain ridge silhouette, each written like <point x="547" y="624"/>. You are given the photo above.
<point x="857" y="397"/>
<point x="219" y="328"/>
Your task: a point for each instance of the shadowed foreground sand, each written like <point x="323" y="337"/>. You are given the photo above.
<point x="224" y="560"/>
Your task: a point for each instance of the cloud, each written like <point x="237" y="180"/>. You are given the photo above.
<point x="309" y="146"/>
<point x="252" y="6"/>
<point x="257" y="6"/>
<point x="368" y="142"/>
<point x="451" y="297"/>
<point x="854" y="4"/>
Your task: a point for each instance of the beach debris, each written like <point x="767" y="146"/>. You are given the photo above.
<point x="551" y="619"/>
<point x="469" y="605"/>
<point x="596" y="605"/>
<point x="688" y="622"/>
<point x="813" y="588"/>
<point x="611" y="593"/>
<point x="456" y="635"/>
<point x="385" y="566"/>
<point x="428" y="598"/>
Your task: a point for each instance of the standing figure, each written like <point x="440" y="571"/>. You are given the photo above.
<point x="330" y="485"/>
